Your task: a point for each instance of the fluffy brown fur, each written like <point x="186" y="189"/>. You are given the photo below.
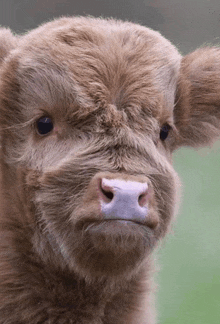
<point x="109" y="88"/>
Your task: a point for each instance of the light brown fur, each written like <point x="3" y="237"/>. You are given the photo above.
<point x="109" y="87"/>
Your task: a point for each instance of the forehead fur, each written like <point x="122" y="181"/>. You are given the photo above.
<point x="121" y="68"/>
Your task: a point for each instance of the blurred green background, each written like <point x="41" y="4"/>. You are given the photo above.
<point x="189" y="277"/>
<point x="189" y="261"/>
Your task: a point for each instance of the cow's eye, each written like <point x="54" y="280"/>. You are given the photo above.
<point x="44" y="125"/>
<point x="164" y="131"/>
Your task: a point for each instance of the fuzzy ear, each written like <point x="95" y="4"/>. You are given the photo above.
<point x="7" y="42"/>
<point x="197" y="110"/>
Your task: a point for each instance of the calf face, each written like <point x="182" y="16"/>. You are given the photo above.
<point x="91" y="111"/>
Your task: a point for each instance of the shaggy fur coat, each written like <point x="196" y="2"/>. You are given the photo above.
<point x="85" y="102"/>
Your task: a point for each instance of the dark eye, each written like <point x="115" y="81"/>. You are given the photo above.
<point x="164" y="132"/>
<point x="44" y="125"/>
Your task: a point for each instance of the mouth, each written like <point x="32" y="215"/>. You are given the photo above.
<point x="113" y="223"/>
<point x="125" y="222"/>
<point x="116" y="231"/>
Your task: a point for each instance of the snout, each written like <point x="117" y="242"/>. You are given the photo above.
<point x="109" y="227"/>
<point x="123" y="200"/>
<point x="123" y="197"/>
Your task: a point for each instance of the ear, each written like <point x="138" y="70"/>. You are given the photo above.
<point x="7" y="42"/>
<point x="197" y="110"/>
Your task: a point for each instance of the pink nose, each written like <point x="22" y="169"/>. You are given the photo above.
<point x="123" y="200"/>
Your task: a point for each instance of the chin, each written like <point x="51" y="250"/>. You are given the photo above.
<point x="111" y="248"/>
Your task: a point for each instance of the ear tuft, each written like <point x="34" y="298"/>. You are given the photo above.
<point x="7" y="42"/>
<point x="197" y="111"/>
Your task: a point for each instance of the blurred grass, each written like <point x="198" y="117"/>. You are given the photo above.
<point x="189" y="277"/>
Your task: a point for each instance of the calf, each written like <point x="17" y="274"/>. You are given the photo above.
<point x="90" y="113"/>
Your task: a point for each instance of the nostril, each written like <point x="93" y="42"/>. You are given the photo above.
<point x="142" y="199"/>
<point x="107" y="194"/>
<point x="106" y="190"/>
